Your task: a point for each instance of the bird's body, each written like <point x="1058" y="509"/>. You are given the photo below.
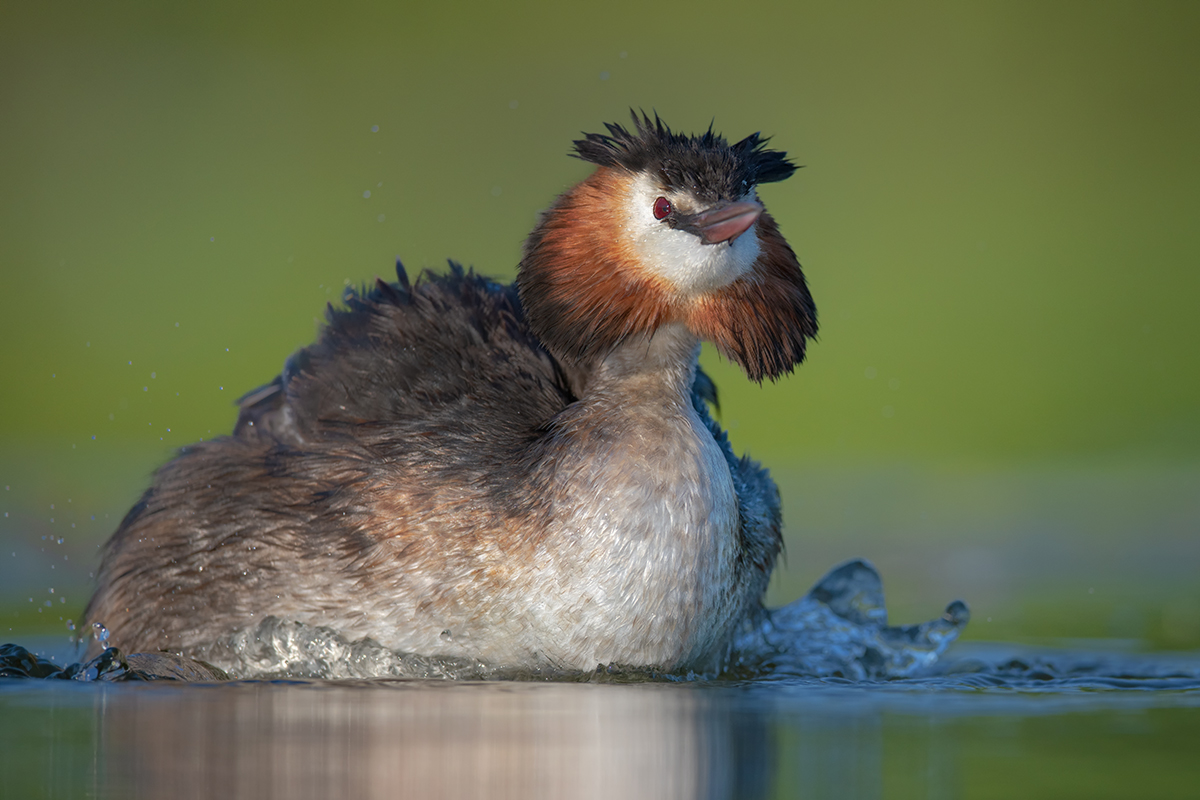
<point x="522" y="476"/>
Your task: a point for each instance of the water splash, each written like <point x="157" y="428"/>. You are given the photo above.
<point x="839" y="629"/>
<point x="278" y="648"/>
<point x="111" y="666"/>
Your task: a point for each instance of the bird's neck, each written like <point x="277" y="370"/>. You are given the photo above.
<point x="659" y="364"/>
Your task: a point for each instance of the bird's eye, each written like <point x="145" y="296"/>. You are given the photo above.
<point x="662" y="207"/>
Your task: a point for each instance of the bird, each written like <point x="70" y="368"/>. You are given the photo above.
<point x="524" y="474"/>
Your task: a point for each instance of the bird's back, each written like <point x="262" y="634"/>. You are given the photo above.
<point x="449" y="357"/>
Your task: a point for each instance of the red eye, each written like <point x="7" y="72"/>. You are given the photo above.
<point x="662" y="207"/>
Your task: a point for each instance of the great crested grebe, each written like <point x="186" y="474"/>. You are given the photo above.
<point x="525" y="475"/>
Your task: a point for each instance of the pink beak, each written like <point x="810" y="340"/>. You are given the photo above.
<point x="726" y="223"/>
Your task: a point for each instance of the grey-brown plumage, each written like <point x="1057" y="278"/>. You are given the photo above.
<point x="430" y="475"/>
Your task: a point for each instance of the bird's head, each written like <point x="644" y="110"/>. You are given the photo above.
<point x="669" y="228"/>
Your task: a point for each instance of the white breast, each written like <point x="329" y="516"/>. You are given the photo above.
<point x="642" y="569"/>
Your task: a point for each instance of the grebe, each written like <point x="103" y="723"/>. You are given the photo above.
<point x="524" y="475"/>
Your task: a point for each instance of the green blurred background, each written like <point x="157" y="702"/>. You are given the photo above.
<point x="998" y="215"/>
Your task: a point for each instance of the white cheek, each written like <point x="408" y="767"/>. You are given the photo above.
<point x="681" y="258"/>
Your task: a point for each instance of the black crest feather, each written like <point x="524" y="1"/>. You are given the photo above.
<point x="705" y="164"/>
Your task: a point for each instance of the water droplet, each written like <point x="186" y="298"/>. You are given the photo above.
<point x="99" y="632"/>
<point x="367" y="193"/>
<point x="446" y="636"/>
<point x="374" y="129"/>
<point x="70" y="624"/>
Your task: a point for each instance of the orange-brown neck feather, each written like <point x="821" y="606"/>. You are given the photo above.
<point x="580" y="282"/>
<point x="763" y="319"/>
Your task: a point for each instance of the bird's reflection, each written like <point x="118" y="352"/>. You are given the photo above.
<point x="435" y="740"/>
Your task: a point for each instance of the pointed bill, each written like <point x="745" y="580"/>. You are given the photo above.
<point x="726" y="223"/>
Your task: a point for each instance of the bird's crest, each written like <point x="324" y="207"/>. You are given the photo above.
<point x="705" y="164"/>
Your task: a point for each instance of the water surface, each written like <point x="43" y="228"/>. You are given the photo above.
<point x="971" y="734"/>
